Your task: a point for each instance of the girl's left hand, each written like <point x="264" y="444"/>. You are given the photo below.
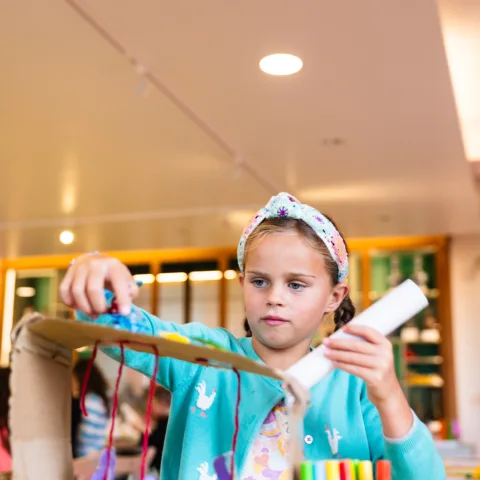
<point x="371" y="360"/>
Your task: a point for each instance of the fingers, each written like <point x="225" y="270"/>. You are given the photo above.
<point x="370" y="357"/>
<point x="95" y="286"/>
<point x="352" y="358"/>
<point x="351" y="344"/>
<point x="367" y="333"/>
<point x="84" y="284"/>
<point x="77" y="289"/>
<point x="123" y="286"/>
<point x="368" y="375"/>
<point x="64" y="289"/>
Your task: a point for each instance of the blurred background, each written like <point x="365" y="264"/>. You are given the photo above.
<point x="152" y="131"/>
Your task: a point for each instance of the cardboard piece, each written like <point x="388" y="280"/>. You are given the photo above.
<point x="79" y="334"/>
<point x="40" y="406"/>
<point x="41" y="387"/>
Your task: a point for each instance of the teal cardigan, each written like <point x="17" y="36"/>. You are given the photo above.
<point x="341" y="422"/>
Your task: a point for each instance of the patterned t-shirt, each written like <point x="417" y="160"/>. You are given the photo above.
<point x="268" y="456"/>
<point x="93" y="429"/>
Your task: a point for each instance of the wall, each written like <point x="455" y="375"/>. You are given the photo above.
<point x="465" y="290"/>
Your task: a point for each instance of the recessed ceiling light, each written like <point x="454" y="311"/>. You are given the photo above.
<point x="67" y="237"/>
<point x="281" y="64"/>
<point x="333" y="142"/>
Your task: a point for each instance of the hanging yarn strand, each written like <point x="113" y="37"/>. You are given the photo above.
<point x="114" y="410"/>
<point x="237" y="424"/>
<point x="153" y="383"/>
<point x="151" y="392"/>
<point x="86" y="378"/>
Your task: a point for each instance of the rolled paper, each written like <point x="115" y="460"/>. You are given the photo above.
<point x="365" y="470"/>
<point x="383" y="470"/>
<point x="306" y="471"/>
<point x="320" y="471"/>
<point x="385" y="316"/>
<point x="346" y="470"/>
<point x="333" y="470"/>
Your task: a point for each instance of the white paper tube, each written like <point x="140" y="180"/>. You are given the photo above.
<point x="386" y="315"/>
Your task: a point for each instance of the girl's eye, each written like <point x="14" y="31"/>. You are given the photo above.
<point x="296" y="286"/>
<point x="258" y="283"/>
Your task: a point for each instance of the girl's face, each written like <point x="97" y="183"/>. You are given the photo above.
<point x="287" y="290"/>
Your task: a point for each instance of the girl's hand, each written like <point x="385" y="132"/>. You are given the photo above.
<point x="371" y="360"/>
<point x="88" y="276"/>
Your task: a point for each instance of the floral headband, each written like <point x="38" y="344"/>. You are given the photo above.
<point x="286" y="206"/>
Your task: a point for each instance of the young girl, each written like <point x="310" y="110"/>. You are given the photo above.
<point x="294" y="270"/>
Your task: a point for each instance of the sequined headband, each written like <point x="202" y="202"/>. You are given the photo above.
<point x="286" y="206"/>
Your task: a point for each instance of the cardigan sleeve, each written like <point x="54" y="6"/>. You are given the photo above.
<point x="412" y="456"/>
<point x="171" y="373"/>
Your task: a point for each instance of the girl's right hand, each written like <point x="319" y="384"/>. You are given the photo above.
<point x="85" y="281"/>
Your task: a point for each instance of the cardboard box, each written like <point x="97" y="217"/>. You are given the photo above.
<point x="41" y="387"/>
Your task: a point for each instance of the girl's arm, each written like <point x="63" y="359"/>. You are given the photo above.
<point x="171" y="373"/>
<point x="412" y="455"/>
<point x="394" y="432"/>
<point x="83" y="289"/>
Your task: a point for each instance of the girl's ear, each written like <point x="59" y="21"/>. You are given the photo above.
<point x="338" y="293"/>
<point x="241" y="279"/>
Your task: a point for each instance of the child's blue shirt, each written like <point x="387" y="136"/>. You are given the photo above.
<point x="201" y="423"/>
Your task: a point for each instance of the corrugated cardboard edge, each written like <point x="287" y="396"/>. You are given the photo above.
<point x="41" y="395"/>
<point x="40" y="406"/>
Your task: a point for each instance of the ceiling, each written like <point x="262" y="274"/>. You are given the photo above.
<point x="142" y="124"/>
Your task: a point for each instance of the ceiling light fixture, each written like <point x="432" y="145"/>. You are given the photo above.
<point x="145" y="278"/>
<point x="230" y="274"/>
<point x="281" y="64"/>
<point x="205" y="276"/>
<point x="67" y="237"/>
<point x="26" y="292"/>
<point x="175" y="277"/>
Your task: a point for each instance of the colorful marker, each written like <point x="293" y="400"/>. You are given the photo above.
<point x="346" y="470"/>
<point x="383" y="470"/>
<point x="306" y="471"/>
<point x="355" y="469"/>
<point x="365" y="470"/>
<point x="333" y="469"/>
<point x="320" y="470"/>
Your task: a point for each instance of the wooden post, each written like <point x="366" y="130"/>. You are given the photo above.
<point x="366" y="266"/>
<point x="442" y="271"/>
<point x="155" y="270"/>
<point x="223" y="292"/>
<point x="187" y="301"/>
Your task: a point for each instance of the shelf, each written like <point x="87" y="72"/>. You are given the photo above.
<point x="397" y="340"/>
<point x="426" y="360"/>
<point x="424" y="381"/>
<point x="423" y="385"/>
<point x="421" y="342"/>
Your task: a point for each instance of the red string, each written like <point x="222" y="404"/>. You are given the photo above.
<point x="86" y="378"/>
<point x="149" y="405"/>
<point x="237" y="424"/>
<point x="114" y="410"/>
<point x="151" y="392"/>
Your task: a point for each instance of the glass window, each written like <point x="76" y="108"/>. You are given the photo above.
<point x="205" y="306"/>
<point x="142" y="273"/>
<point x="171" y="302"/>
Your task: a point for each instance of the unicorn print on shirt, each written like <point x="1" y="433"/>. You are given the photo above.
<point x="203" y="471"/>
<point x="333" y="440"/>
<point x="204" y="401"/>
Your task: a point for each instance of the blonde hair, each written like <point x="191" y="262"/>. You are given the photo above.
<point x="346" y="311"/>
